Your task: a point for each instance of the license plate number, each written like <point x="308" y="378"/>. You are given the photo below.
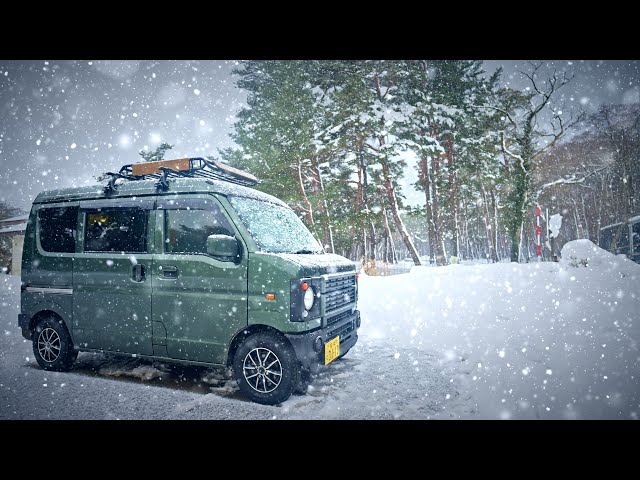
<point x="331" y="350"/>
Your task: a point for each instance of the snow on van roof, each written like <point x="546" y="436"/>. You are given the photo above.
<point x="149" y="187"/>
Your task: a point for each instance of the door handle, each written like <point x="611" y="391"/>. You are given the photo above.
<point x="138" y="273"/>
<point x="169" y="272"/>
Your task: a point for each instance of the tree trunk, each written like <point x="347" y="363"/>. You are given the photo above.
<point x="439" y="241"/>
<point x="365" y="200"/>
<point x="467" y="236"/>
<point x="494" y="225"/>
<point x="453" y="196"/>
<point x="358" y="201"/>
<point x="305" y="199"/>
<point x="424" y="178"/>
<point x="393" y="206"/>
<point x="521" y="172"/>
<point x="372" y="240"/>
<point x="385" y="248"/>
<point x="515" y="234"/>
<point x="387" y="230"/>
<point x="323" y="208"/>
<point x="488" y="225"/>
<point x="364" y="246"/>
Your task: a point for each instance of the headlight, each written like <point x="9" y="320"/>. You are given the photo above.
<point x="309" y="298"/>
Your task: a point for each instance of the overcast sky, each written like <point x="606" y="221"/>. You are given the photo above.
<point x="62" y="122"/>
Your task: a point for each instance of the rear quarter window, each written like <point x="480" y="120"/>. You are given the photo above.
<point x="57" y="229"/>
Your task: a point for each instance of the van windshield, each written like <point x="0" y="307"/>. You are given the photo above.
<point x="275" y="229"/>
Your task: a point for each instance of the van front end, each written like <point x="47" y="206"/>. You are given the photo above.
<point x="303" y="309"/>
<point x="330" y="299"/>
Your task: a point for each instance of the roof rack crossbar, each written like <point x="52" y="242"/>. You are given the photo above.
<point x="111" y="186"/>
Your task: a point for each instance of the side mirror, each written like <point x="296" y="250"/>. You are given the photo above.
<point x="222" y="246"/>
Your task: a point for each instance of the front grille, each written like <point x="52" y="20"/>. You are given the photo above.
<point x="343" y="330"/>
<point x="339" y="291"/>
<point x="337" y="318"/>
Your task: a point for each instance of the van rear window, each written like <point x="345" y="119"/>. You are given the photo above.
<point x="57" y="229"/>
<point x="121" y="230"/>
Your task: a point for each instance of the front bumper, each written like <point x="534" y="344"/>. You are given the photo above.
<point x="23" y="322"/>
<point x="303" y="343"/>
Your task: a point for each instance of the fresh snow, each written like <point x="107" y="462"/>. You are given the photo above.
<point x="497" y="341"/>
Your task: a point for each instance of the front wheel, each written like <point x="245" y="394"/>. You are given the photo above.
<point x="266" y="368"/>
<point x="52" y="345"/>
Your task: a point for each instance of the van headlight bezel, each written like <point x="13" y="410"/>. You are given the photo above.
<point x="299" y="288"/>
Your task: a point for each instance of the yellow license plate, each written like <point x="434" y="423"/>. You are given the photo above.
<point x="331" y="350"/>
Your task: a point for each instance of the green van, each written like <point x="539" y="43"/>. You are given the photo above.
<point x="184" y="262"/>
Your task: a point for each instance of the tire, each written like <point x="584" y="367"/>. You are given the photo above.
<point x="52" y="345"/>
<point x="248" y="367"/>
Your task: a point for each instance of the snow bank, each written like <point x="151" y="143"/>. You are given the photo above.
<point x="541" y="340"/>
<point x="584" y="253"/>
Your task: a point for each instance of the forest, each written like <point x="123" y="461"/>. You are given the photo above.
<point x="334" y="139"/>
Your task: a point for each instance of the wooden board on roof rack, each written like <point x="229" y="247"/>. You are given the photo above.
<point x="149" y="168"/>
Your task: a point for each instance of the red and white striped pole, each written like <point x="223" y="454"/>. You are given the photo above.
<point x="538" y="232"/>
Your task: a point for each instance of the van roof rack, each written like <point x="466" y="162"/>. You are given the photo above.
<point x="196" y="167"/>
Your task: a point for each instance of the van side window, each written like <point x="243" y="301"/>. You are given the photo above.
<point x="57" y="229"/>
<point x="118" y="230"/>
<point x="636" y="236"/>
<point x="186" y="231"/>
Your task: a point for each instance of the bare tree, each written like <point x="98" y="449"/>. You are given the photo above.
<point x="524" y="141"/>
<point x="620" y="124"/>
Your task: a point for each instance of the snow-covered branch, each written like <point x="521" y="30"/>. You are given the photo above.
<point x="573" y="179"/>
<point x="511" y="154"/>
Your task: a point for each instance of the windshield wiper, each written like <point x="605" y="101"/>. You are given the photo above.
<point x="303" y="251"/>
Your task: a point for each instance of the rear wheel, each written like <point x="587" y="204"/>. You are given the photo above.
<point x="52" y="345"/>
<point x="266" y="368"/>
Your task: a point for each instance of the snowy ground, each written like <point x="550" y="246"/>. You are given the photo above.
<point x="499" y="341"/>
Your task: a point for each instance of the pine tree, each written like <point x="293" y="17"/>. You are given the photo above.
<point x="157" y="154"/>
<point x="277" y="134"/>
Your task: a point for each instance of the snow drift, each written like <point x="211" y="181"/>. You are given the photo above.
<point x="584" y="253"/>
<point x="540" y="340"/>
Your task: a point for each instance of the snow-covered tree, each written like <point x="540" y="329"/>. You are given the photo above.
<point x="525" y="138"/>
